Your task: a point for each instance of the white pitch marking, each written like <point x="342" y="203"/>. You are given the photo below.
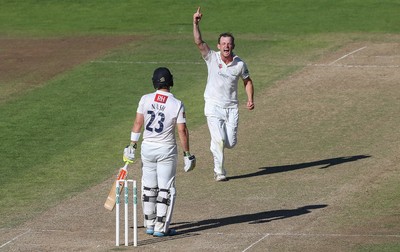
<point x="336" y="235"/>
<point x="344" y="56"/>
<point x="380" y="56"/>
<point x="321" y="235"/>
<point x="355" y="66"/>
<point x="16" y="237"/>
<point x="145" y="62"/>
<point x="254" y="243"/>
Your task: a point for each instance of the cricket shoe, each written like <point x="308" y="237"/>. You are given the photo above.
<point x="150" y="230"/>
<point x="220" y="177"/>
<point x="162" y="234"/>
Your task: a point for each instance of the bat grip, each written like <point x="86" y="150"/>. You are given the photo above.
<point x="126" y="165"/>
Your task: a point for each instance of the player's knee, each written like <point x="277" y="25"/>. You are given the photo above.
<point x="165" y="198"/>
<point x="149" y="202"/>
<point x="150" y="194"/>
<point x="217" y="146"/>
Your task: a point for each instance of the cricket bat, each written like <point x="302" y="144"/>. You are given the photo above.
<point x="110" y="201"/>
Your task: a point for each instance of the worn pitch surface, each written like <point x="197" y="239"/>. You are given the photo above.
<point x="280" y="197"/>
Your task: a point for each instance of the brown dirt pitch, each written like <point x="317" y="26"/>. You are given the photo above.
<point x="26" y="63"/>
<point x="284" y="193"/>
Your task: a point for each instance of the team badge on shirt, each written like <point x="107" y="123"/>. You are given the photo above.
<point x="160" y="98"/>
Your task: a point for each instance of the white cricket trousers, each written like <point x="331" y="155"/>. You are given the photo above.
<point x="158" y="171"/>
<point x="223" y="126"/>
<point x="159" y="165"/>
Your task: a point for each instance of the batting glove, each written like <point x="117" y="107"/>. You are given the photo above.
<point x="129" y="153"/>
<point x="189" y="161"/>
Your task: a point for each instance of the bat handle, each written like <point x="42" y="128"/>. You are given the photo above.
<point x="126" y="165"/>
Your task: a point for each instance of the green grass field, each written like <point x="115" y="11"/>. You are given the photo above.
<point x="49" y="18"/>
<point x="68" y="134"/>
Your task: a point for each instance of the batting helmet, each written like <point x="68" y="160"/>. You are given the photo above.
<point x="162" y="78"/>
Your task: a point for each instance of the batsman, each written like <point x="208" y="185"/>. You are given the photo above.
<point x="159" y="114"/>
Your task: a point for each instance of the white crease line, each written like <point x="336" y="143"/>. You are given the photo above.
<point x="145" y="62"/>
<point x="380" y="56"/>
<point x="338" y="235"/>
<point x="254" y="243"/>
<point x="359" y="49"/>
<point x="16" y="237"/>
<point x="320" y="235"/>
<point x="355" y="66"/>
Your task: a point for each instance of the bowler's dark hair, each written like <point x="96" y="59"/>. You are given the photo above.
<point x="226" y="34"/>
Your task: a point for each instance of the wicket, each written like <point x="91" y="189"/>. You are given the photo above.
<point x="126" y="203"/>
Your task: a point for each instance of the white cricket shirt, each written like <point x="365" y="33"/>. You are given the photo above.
<point x="162" y="111"/>
<point x="222" y="81"/>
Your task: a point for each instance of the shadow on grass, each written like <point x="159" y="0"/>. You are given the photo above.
<point x="255" y="218"/>
<point x="325" y="163"/>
